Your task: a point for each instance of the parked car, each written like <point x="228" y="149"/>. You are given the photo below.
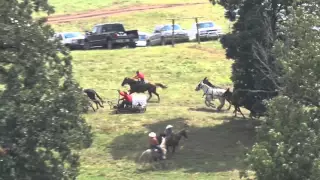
<point x="72" y="40"/>
<point x="207" y="30"/>
<point x="163" y="35"/>
<point x="142" y="41"/>
<point x="110" y="35"/>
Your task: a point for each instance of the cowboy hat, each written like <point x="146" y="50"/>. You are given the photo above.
<point x="169" y="126"/>
<point x="152" y="134"/>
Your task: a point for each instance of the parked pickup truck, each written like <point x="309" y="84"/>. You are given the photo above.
<point x="110" y="35"/>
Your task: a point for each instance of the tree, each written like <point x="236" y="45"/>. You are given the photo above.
<point x="41" y="104"/>
<point x="256" y="19"/>
<point x="288" y="146"/>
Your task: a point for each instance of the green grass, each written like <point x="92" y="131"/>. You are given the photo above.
<point x="147" y="20"/>
<point x="72" y="6"/>
<point x="211" y="152"/>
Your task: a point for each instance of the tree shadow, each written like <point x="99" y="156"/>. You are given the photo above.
<point x="207" y="110"/>
<point x="207" y="149"/>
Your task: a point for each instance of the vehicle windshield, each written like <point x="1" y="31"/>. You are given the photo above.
<point x="142" y="37"/>
<point x="206" y="25"/>
<point x="113" y="27"/>
<point x="168" y="27"/>
<point x="71" y="35"/>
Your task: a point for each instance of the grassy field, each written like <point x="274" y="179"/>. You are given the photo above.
<point x="72" y="6"/>
<point x="211" y="152"/>
<point x="147" y="20"/>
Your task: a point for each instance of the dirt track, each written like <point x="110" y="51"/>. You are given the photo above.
<point x="106" y="12"/>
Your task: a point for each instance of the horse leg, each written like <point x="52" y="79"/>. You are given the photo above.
<point x="229" y="105"/>
<point x="92" y="107"/>
<point x="157" y="95"/>
<point x="150" y="95"/>
<point x="222" y="101"/>
<point x="173" y="149"/>
<point x="241" y="112"/>
<point x="235" y="111"/>
<point x="96" y="105"/>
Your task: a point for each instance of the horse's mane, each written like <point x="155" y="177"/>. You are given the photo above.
<point x="209" y="87"/>
<point x="182" y="130"/>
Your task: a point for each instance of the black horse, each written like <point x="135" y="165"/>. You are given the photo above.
<point x="138" y="87"/>
<point x="207" y="82"/>
<point x="92" y="95"/>
<point x="249" y="99"/>
<point x="173" y="140"/>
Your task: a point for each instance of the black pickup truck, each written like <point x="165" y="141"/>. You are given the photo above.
<point x="110" y="35"/>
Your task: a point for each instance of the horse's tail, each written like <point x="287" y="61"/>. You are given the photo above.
<point x="160" y="85"/>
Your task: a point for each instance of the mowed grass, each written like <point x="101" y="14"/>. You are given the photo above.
<point x="211" y="152"/>
<point x="146" y="21"/>
<point x="72" y="6"/>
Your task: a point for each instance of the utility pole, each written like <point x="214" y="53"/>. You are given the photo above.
<point x="198" y="35"/>
<point x="173" y="24"/>
<point x="172" y="39"/>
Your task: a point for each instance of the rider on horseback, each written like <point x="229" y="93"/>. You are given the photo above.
<point x="154" y="144"/>
<point x="126" y="100"/>
<point x="168" y="131"/>
<point x="140" y="77"/>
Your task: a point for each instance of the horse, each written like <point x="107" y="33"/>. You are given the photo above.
<point x="211" y="94"/>
<point x="92" y="95"/>
<point x="138" y="87"/>
<point x="249" y="99"/>
<point x="173" y="140"/>
<point x="154" y="155"/>
<point x="207" y="82"/>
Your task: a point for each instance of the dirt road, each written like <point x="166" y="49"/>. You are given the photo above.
<point x="107" y="12"/>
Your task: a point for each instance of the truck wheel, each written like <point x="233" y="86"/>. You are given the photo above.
<point x="132" y="45"/>
<point x="163" y="41"/>
<point x="86" y="45"/>
<point x="109" y="44"/>
<point x="148" y="43"/>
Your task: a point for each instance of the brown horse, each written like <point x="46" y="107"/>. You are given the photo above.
<point x="139" y="87"/>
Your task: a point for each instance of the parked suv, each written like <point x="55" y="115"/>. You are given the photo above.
<point x="163" y="35"/>
<point x="109" y="36"/>
<point x="207" y="30"/>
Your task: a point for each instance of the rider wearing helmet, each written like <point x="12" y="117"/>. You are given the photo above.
<point x="126" y="100"/>
<point x="139" y="76"/>
<point x="154" y="144"/>
<point x="168" y="131"/>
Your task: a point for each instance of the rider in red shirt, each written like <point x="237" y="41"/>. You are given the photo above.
<point x="139" y="76"/>
<point x="126" y="100"/>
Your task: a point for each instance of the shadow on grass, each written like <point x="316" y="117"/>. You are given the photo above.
<point x="208" y="110"/>
<point x="207" y="149"/>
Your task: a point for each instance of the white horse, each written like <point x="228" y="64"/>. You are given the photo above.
<point x="211" y="94"/>
<point x="150" y="155"/>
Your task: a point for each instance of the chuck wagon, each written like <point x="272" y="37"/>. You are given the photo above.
<point x="139" y="105"/>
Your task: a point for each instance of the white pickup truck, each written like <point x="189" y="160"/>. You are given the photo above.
<point x="207" y="30"/>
